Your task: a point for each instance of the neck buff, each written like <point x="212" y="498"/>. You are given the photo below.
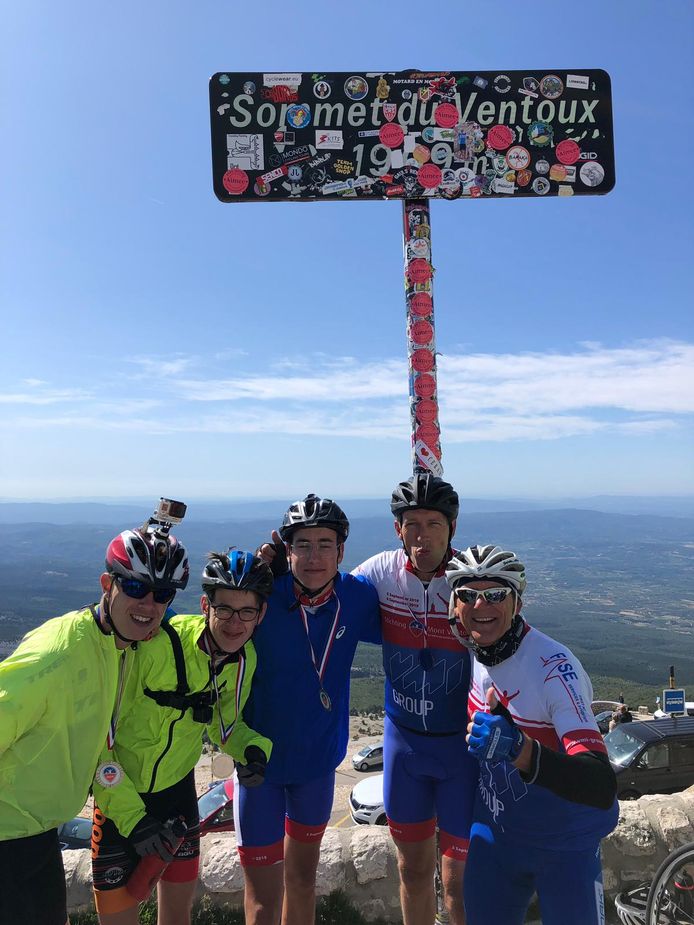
<point x="505" y="647"/>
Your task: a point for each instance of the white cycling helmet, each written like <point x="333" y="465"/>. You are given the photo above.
<point x="486" y="563"/>
<point x="631" y="905"/>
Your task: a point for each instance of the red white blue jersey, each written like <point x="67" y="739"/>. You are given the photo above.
<point x="548" y="694"/>
<point x="427" y="669"/>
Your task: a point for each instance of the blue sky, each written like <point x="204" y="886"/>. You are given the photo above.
<point x="157" y="341"/>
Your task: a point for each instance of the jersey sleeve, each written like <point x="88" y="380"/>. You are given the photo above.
<point x="568" y="693"/>
<point x="28" y="677"/>
<point x="370" y="630"/>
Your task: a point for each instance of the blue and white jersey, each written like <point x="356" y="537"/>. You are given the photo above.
<point x="308" y="740"/>
<point x="548" y="694"/>
<point x="427" y="669"/>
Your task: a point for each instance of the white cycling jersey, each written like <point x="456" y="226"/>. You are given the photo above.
<point x="548" y="694"/>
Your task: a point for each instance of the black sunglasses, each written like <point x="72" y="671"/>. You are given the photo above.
<point x="137" y="589"/>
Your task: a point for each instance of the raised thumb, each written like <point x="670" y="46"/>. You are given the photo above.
<point x="492" y="700"/>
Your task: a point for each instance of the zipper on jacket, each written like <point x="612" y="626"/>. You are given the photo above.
<point x="166" y="749"/>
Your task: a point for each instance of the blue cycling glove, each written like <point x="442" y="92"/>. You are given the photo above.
<point x="494" y="738"/>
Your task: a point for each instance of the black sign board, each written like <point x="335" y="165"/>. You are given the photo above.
<point x="411" y="135"/>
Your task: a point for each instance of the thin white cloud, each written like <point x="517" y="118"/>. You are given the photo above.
<point x="46" y="397"/>
<point x="641" y="389"/>
<point x="164" y="367"/>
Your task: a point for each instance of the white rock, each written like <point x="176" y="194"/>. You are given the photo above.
<point x="331" y="867"/>
<point x="220" y="869"/>
<point x="370" y="848"/>
<point x="634" y="835"/>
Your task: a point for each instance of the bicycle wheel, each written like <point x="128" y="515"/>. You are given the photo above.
<point x="671" y="896"/>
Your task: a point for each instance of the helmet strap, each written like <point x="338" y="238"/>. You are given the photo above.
<point x="313" y="597"/>
<point x="106" y="609"/>
<point x="214" y="646"/>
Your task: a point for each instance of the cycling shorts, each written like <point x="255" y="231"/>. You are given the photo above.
<point x="501" y="876"/>
<point x="264" y="815"/>
<point x="429" y="780"/>
<point x="32" y="881"/>
<point x="114" y="859"/>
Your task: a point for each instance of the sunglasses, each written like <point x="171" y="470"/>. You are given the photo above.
<point x="489" y="595"/>
<point x="246" y="614"/>
<point x="137" y="589"/>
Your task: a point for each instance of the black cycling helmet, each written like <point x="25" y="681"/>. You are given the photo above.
<point x="239" y="571"/>
<point x="425" y="491"/>
<point x="314" y="512"/>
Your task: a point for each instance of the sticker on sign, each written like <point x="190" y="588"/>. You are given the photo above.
<point x="427" y="458"/>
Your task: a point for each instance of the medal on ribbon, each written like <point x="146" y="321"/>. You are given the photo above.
<point x="319" y="668"/>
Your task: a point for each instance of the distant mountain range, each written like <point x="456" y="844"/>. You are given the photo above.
<point x="617" y="588"/>
<point x="98" y="512"/>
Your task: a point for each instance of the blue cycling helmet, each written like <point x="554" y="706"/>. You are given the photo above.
<point x="237" y="571"/>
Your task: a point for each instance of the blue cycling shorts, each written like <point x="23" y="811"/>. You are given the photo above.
<point x="501" y="876"/>
<point x="264" y="814"/>
<point x="429" y="780"/>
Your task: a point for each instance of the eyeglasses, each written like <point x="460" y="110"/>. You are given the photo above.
<point x="245" y="614"/>
<point x="303" y="550"/>
<point x="489" y="595"/>
<point x="137" y="589"/>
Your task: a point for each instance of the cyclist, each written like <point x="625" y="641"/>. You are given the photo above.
<point x="546" y="789"/>
<point x="195" y="676"/>
<point x="57" y="695"/>
<point x="429" y="779"/>
<point x="300" y="699"/>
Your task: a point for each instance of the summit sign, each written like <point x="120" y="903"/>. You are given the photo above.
<point x="406" y="135"/>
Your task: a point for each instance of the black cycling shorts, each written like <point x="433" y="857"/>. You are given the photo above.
<point x="32" y="881"/>
<point x="114" y="859"/>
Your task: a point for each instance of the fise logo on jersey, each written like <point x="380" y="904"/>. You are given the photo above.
<point x="562" y="670"/>
<point x="561" y="667"/>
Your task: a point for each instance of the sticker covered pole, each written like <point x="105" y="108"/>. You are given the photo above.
<point x="421" y="347"/>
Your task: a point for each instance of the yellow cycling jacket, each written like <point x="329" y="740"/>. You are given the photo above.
<point x="57" y="692"/>
<point x="156" y="746"/>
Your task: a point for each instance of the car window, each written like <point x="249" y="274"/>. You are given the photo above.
<point x="622" y="746"/>
<point x="224" y="815"/>
<point x="655" y="756"/>
<point x="682" y="753"/>
<point x="209" y="801"/>
<point x="376" y="753"/>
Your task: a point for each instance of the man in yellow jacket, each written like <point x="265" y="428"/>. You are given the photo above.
<point x="195" y="676"/>
<point x="58" y="693"/>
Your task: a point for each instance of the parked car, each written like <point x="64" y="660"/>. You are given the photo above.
<point x="366" y="802"/>
<point x="77" y="833"/>
<point x="216" y="809"/>
<point x="656" y="756"/>
<point x="603" y="720"/>
<point x="368" y="757"/>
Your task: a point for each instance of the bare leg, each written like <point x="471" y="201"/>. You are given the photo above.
<point x="262" y="901"/>
<point x="452" y="872"/>
<point x="175" y="902"/>
<point x="126" y="917"/>
<point x="416" y="863"/>
<point x="300" y="865"/>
